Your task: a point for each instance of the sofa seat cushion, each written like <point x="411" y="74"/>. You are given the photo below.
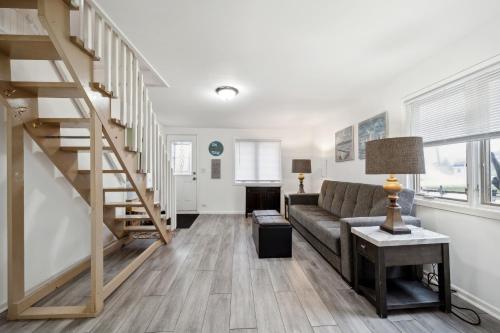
<point x="320" y="223"/>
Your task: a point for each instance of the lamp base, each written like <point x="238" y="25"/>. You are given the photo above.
<point x="396" y="231"/>
<point x="393" y="222"/>
<point x="301" y="183"/>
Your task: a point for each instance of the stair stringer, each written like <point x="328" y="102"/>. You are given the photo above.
<point x="54" y="16"/>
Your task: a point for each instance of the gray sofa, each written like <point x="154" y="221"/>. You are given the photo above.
<point x="325" y="219"/>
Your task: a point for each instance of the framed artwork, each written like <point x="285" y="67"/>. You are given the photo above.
<point x="215" y="148"/>
<point x="344" y="144"/>
<point x="371" y="129"/>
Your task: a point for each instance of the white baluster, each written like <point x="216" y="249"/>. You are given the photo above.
<point x="148" y="137"/>
<point x="154" y="144"/>
<point x="135" y="102"/>
<point x="129" y="80"/>
<point x="108" y="56"/>
<point x="91" y="28"/>
<point x="140" y="117"/>
<point x="82" y="9"/>
<point x="115" y="64"/>
<point x="123" y="83"/>
<point x="98" y="37"/>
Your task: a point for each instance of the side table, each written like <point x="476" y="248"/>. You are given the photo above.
<point x="385" y="250"/>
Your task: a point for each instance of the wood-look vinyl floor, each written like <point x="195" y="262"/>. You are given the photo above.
<point x="209" y="279"/>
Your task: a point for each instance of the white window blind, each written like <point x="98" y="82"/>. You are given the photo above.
<point x="463" y="110"/>
<point x="257" y="161"/>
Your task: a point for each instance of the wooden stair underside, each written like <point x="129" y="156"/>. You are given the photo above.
<point x="28" y="47"/>
<point x="29" y="4"/>
<point x="87" y="172"/>
<point x="135" y="217"/>
<point x="80" y="148"/>
<point x="26" y="89"/>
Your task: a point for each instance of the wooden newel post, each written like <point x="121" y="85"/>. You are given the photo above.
<point x="96" y="201"/>
<point x="15" y="212"/>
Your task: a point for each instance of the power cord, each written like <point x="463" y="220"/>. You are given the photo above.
<point x="432" y="280"/>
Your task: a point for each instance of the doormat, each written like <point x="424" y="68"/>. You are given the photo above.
<point x="184" y="221"/>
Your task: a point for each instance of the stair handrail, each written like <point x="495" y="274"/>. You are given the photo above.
<point x="122" y="76"/>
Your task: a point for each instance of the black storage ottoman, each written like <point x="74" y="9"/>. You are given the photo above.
<point x="272" y="235"/>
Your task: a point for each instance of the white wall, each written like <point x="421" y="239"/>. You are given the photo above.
<point x="474" y="257"/>
<point x="222" y="195"/>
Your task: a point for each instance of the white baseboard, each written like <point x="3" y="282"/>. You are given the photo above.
<point x="474" y="300"/>
<point x="477" y="302"/>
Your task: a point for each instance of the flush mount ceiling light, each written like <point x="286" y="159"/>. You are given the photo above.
<point x="226" y="92"/>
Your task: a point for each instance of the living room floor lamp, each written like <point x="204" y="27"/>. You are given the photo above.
<point x="301" y="167"/>
<point x="403" y="155"/>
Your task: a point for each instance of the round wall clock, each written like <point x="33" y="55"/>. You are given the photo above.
<point x="215" y="148"/>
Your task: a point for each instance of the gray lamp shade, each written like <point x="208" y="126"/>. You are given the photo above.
<point x="404" y="155"/>
<point x="301" y="166"/>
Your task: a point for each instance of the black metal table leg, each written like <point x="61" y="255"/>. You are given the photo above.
<point x="444" y="280"/>
<point x="381" y="284"/>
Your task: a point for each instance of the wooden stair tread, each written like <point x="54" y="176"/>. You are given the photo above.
<point x="80" y="148"/>
<point x="117" y="122"/>
<point x="85" y="172"/>
<point x="45" y="89"/>
<point x="135" y="217"/>
<point x="66" y="122"/>
<point x="118" y="189"/>
<point x="19" y="4"/>
<point x="81" y="45"/>
<point x="29" y="4"/>
<point x="127" y="204"/>
<point x="28" y="47"/>
<point x="102" y="89"/>
<point x="142" y="228"/>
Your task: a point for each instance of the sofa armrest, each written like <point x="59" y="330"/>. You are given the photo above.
<point x="346" y="238"/>
<point x="303" y="199"/>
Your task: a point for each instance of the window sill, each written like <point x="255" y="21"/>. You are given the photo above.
<point x="461" y="208"/>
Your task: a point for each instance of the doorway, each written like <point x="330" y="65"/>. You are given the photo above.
<point x="183" y="154"/>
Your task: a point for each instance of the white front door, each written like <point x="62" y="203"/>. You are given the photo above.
<point x="183" y="157"/>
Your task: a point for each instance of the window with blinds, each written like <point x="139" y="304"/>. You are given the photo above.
<point x="464" y="110"/>
<point x="460" y="125"/>
<point x="257" y="161"/>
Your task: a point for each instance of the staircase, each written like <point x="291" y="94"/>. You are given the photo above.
<point x="108" y="80"/>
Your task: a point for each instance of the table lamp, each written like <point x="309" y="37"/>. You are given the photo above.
<point x="301" y="167"/>
<point x="403" y="155"/>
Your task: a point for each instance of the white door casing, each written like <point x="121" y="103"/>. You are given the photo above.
<point x="183" y="153"/>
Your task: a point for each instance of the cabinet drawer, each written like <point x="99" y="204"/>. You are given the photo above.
<point x="366" y="249"/>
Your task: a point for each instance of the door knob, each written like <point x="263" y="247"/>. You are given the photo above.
<point x="194" y="178"/>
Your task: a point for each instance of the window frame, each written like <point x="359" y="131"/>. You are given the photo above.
<point x="416" y="180"/>
<point x="258" y="183"/>
<point x="476" y="205"/>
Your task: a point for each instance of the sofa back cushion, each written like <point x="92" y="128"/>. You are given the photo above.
<point x="345" y="199"/>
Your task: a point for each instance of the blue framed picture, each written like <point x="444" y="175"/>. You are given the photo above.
<point x="371" y="129"/>
<point x="215" y="148"/>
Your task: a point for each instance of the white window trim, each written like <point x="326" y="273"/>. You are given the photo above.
<point x="258" y="184"/>
<point x="473" y="206"/>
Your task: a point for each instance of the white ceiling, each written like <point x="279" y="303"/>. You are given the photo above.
<point x="292" y="60"/>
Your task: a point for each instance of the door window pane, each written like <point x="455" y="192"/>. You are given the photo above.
<point x="446" y="172"/>
<point x="182" y="156"/>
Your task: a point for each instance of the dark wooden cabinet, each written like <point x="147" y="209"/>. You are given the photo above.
<point x="262" y="197"/>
